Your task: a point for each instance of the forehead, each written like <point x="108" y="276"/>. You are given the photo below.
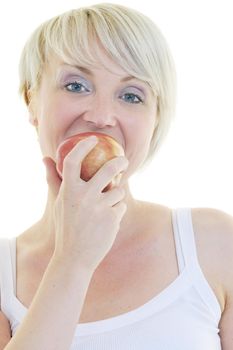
<point x="102" y="63"/>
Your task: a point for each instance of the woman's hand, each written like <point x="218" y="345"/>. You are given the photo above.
<point x="86" y="219"/>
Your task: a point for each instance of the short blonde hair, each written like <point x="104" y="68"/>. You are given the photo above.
<point x="131" y="39"/>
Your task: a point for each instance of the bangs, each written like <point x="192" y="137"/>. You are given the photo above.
<point x="77" y="40"/>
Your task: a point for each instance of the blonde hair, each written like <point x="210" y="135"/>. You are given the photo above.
<point x="131" y="39"/>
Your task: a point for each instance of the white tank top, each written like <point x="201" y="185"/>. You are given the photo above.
<point x="184" y="316"/>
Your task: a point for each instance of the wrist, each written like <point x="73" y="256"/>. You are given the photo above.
<point x="71" y="266"/>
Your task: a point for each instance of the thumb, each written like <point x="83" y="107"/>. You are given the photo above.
<point x="52" y="177"/>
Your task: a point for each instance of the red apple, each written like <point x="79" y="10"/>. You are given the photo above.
<point x="106" y="149"/>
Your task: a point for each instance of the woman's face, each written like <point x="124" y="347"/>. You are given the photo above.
<point x="74" y="99"/>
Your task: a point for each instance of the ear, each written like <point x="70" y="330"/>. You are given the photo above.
<point x="33" y="120"/>
<point x="32" y="110"/>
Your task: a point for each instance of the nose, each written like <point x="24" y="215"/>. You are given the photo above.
<point x="101" y="112"/>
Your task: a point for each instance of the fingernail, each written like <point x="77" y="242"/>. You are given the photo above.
<point x="93" y="138"/>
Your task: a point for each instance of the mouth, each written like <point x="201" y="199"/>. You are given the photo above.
<point x="100" y="135"/>
<point x="106" y="149"/>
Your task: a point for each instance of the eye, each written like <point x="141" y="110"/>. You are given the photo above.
<point x="131" y="98"/>
<point x="76" y="87"/>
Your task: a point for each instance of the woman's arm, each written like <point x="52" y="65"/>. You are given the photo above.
<point x="55" y="310"/>
<point x="214" y="235"/>
<point x="226" y="323"/>
<point x="219" y="226"/>
<point x="5" y="331"/>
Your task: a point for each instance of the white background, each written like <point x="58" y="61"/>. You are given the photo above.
<point x="194" y="166"/>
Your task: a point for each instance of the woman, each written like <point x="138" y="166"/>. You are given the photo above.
<point x="101" y="269"/>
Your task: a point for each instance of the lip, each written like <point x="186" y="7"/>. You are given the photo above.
<point x="91" y="133"/>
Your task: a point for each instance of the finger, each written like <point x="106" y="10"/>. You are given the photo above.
<point x="120" y="209"/>
<point x="52" y="176"/>
<point x="114" y="196"/>
<point x="109" y="171"/>
<point x="72" y="162"/>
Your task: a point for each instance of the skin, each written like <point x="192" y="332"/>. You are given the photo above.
<point x="5" y="330"/>
<point x="57" y="113"/>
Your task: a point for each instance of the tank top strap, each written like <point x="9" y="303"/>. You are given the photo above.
<point x="6" y="278"/>
<point x="184" y="238"/>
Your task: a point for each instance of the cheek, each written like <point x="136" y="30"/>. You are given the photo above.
<point x="65" y="112"/>
<point x="140" y="131"/>
<point x="55" y="117"/>
<point x="60" y="112"/>
<point x="139" y="135"/>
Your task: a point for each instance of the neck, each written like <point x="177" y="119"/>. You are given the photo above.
<point x="46" y="228"/>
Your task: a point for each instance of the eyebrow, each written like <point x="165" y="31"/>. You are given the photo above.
<point x="89" y="72"/>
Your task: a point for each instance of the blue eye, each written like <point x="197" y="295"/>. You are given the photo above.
<point x="76" y="87"/>
<point x="131" y="98"/>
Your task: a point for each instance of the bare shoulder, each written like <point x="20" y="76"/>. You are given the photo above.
<point x="5" y="330"/>
<point x="213" y="230"/>
<point x="216" y="218"/>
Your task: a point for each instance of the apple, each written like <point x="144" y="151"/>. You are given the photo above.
<point x="107" y="148"/>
